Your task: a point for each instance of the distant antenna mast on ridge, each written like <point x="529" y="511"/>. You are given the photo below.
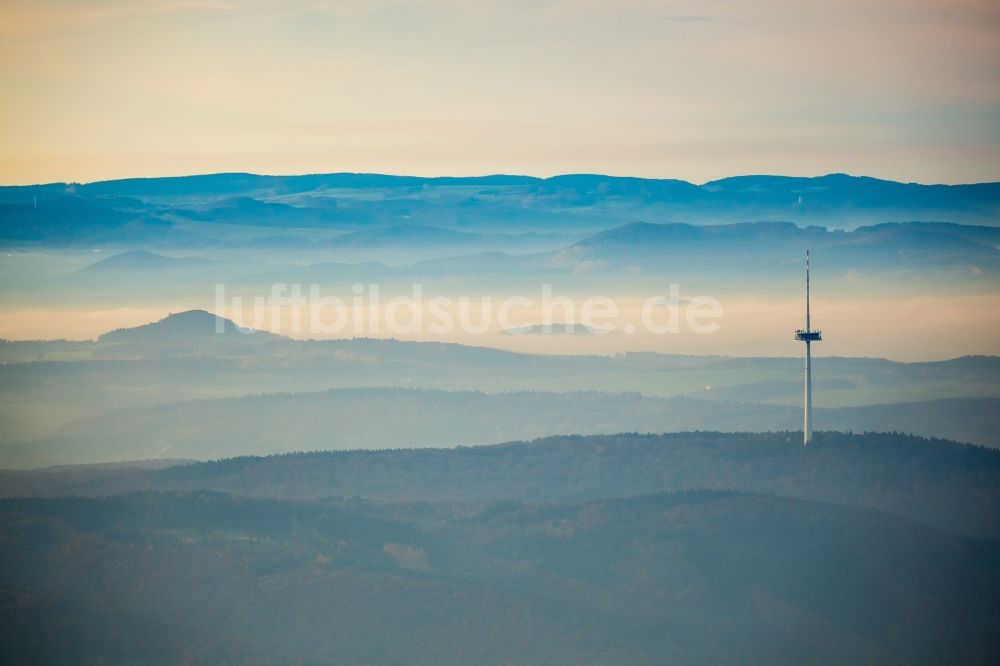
<point x="808" y="336"/>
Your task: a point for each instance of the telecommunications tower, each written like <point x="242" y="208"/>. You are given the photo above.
<point x="808" y="336"/>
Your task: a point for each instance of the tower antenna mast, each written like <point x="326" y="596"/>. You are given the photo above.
<point x="808" y="336"/>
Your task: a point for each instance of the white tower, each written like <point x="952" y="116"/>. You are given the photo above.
<point x="808" y="336"/>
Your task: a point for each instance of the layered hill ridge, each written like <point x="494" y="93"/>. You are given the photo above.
<point x="660" y="248"/>
<point x="95" y="401"/>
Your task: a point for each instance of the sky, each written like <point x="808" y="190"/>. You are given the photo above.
<point x="900" y="89"/>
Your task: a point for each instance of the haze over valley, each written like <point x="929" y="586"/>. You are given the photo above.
<point x="84" y="259"/>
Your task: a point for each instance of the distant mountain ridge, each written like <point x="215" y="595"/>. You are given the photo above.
<point x="761" y="186"/>
<point x="236" y="191"/>
<point x="143" y="260"/>
<point x="191" y="325"/>
<point x="198" y="209"/>
<point x="932" y="246"/>
<point x="644" y="233"/>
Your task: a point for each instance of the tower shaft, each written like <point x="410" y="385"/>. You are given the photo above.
<point x="808" y="402"/>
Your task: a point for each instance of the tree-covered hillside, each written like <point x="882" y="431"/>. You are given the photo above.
<point x="952" y="486"/>
<point x="696" y="577"/>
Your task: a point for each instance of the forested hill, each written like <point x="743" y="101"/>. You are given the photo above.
<point x="696" y="547"/>
<point x="952" y="486"/>
<point x="696" y="577"/>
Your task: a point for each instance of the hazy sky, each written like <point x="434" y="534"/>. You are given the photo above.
<point x="901" y="89"/>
